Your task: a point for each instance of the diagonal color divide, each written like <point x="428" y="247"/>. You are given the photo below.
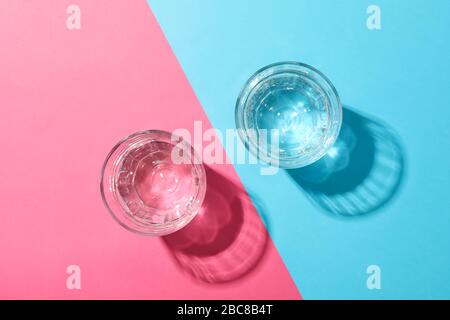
<point x="388" y="205"/>
<point x="67" y="97"/>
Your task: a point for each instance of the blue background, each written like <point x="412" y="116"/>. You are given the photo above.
<point x="397" y="77"/>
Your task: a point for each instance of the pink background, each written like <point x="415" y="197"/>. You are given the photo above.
<point x="66" y="98"/>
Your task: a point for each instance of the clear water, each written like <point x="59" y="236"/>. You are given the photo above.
<point x="151" y="186"/>
<point x="295" y="107"/>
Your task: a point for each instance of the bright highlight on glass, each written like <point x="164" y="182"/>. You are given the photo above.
<point x="153" y="183"/>
<point x="288" y="114"/>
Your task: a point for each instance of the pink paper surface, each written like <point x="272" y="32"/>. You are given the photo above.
<point x="67" y="96"/>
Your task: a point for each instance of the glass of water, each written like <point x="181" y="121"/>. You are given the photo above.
<point x="288" y="114"/>
<point x="153" y="182"/>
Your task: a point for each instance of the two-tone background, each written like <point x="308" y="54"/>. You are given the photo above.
<point x="67" y="95"/>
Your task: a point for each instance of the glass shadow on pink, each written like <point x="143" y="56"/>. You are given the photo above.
<point x="153" y="183"/>
<point x="226" y="240"/>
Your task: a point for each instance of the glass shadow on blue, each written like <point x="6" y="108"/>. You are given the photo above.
<point x="362" y="171"/>
<point x="226" y="240"/>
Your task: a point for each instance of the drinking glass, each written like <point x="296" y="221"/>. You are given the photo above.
<point x="153" y="182"/>
<point x="288" y="114"/>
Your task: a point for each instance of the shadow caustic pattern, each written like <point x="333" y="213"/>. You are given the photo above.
<point x="226" y="240"/>
<point x="361" y="172"/>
